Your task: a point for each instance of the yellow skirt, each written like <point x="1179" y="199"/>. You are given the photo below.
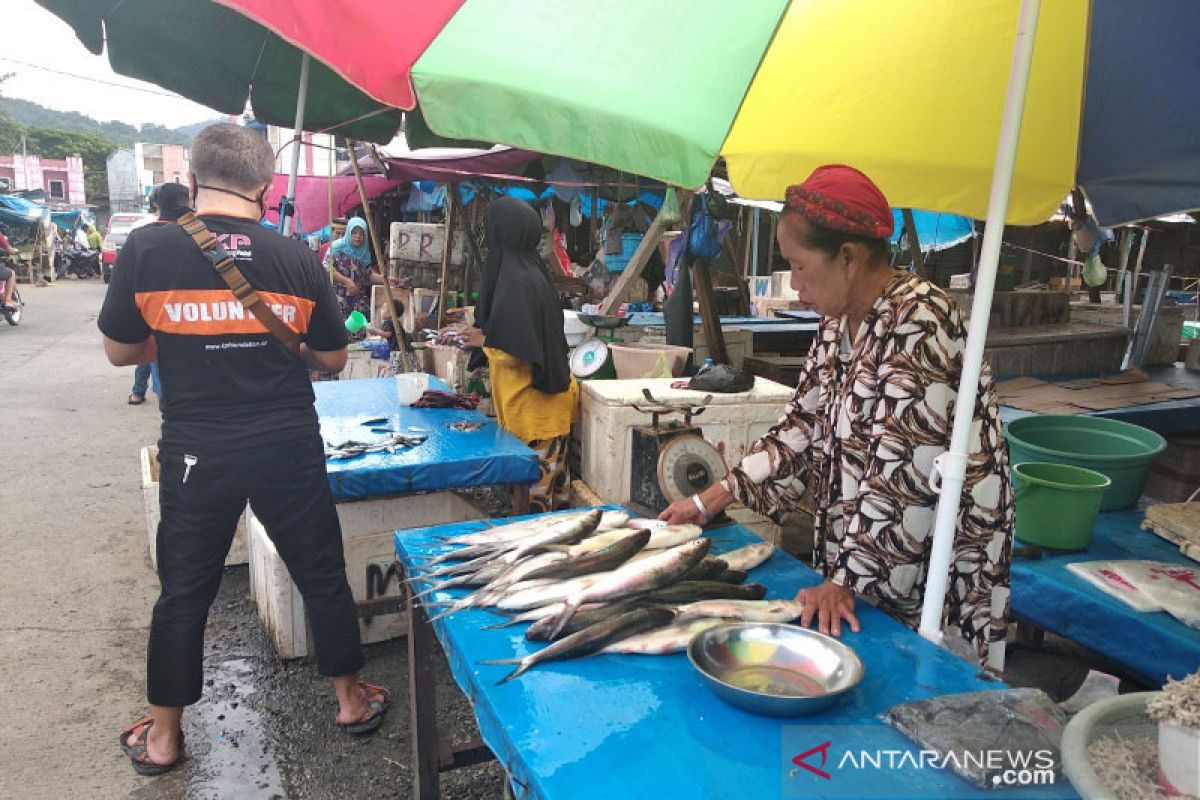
<point x="522" y="410"/>
<point x="542" y="421"/>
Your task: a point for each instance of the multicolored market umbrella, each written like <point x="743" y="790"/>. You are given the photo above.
<point x="992" y="109"/>
<point x="910" y="92"/>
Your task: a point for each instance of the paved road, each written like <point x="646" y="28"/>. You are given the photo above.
<point x="75" y="599"/>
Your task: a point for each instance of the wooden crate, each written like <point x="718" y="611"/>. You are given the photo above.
<point x="368" y="529"/>
<point x="781" y="369"/>
<point x="149" y="461"/>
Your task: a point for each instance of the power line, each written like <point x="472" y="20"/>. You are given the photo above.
<point x="93" y="80"/>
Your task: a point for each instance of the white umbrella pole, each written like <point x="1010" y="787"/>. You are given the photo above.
<point x="285" y="224"/>
<point x="954" y="468"/>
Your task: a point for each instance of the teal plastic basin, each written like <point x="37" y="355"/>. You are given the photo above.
<point x="1118" y="450"/>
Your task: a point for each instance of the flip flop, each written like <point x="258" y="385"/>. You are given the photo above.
<point x="136" y="399"/>
<point x="139" y="753"/>
<point x="378" y="702"/>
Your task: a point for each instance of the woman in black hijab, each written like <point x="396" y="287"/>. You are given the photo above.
<point x="520" y="328"/>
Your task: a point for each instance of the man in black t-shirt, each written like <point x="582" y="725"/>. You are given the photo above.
<point x="238" y="425"/>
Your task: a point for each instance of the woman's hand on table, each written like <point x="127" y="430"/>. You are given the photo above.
<point x="683" y="512"/>
<point x="829" y="604"/>
<point x="688" y="511"/>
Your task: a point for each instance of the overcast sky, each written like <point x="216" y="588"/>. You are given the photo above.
<point x="32" y="35"/>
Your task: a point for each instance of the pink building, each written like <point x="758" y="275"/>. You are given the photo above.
<point x="61" y="179"/>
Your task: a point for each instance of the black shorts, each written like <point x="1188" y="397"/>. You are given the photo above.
<point x="5" y="272"/>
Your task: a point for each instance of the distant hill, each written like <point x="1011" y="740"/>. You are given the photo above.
<point x="29" y="113"/>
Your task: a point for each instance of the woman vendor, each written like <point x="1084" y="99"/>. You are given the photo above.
<point x="520" y="328"/>
<point x="348" y="261"/>
<point x="873" y="408"/>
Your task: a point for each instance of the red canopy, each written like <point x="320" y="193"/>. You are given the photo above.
<point x="351" y="36"/>
<point x="312" y="197"/>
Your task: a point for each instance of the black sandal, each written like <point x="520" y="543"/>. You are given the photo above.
<point x="136" y="399"/>
<point x="378" y="702"/>
<point x="139" y="753"/>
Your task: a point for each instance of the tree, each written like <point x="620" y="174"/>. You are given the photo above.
<point x="10" y="129"/>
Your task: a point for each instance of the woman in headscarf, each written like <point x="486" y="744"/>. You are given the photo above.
<point x="349" y="263"/>
<point x="520" y="328"/>
<point x="873" y="408"/>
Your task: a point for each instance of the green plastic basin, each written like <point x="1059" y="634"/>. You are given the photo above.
<point x="1057" y="504"/>
<point x="1118" y="450"/>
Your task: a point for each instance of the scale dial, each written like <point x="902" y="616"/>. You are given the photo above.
<point x="688" y="465"/>
<point x="588" y="357"/>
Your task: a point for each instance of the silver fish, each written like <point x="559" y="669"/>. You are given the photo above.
<point x="604" y="559"/>
<point x="660" y="538"/>
<point x="522" y="570"/>
<point x="565" y="532"/>
<point x="662" y="641"/>
<point x="748" y="557"/>
<point x="590" y="639"/>
<point x="588" y="614"/>
<point x="635" y="578"/>
<point x="513" y="530"/>
<point x="480" y="578"/>
<point x="523" y="598"/>
<point x="745" y="610"/>
<point x="612" y="520"/>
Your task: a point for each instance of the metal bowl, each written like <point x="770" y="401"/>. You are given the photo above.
<point x="604" y="320"/>
<point x="774" y="669"/>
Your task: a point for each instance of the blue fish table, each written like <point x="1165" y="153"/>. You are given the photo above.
<point x="449" y="459"/>
<point x="1150" y="645"/>
<point x="629" y="726"/>
<point x="376" y="493"/>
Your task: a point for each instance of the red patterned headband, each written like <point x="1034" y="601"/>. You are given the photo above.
<point x="843" y="199"/>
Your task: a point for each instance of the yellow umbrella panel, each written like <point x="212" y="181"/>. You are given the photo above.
<point x="912" y="93"/>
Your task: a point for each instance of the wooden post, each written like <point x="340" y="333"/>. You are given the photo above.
<point x="713" y="337"/>
<point x="746" y="238"/>
<point x="914" y="242"/>
<point x="424" y="736"/>
<point x="441" y="311"/>
<point x="383" y="265"/>
<point x="634" y="268"/>
<point x="1027" y="258"/>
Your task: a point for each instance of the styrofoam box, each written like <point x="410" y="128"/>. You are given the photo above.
<point x="731" y="422"/>
<point x="368" y="528"/>
<point x="149" y="457"/>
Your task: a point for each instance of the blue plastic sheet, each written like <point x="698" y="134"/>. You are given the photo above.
<point x="1151" y="645"/>
<point x="935" y="231"/>
<point x="624" y="726"/>
<point x="448" y="459"/>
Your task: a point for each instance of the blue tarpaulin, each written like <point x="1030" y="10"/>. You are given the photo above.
<point x="935" y="231"/>
<point x="1151" y="645"/>
<point x="449" y="459"/>
<point x="648" y="727"/>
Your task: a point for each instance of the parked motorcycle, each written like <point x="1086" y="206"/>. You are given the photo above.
<point x="80" y="261"/>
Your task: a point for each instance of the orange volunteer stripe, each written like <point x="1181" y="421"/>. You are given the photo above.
<point x="216" y="312"/>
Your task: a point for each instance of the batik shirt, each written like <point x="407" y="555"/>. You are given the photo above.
<point x="870" y="414"/>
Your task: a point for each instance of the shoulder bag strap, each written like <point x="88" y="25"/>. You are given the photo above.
<point x="237" y="283"/>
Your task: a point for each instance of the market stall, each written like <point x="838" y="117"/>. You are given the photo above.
<point x="378" y="492"/>
<point x="648" y="726"/>
<point x="1046" y="596"/>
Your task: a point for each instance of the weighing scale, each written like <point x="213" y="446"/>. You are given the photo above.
<point x="591" y="358"/>
<point x="670" y="461"/>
